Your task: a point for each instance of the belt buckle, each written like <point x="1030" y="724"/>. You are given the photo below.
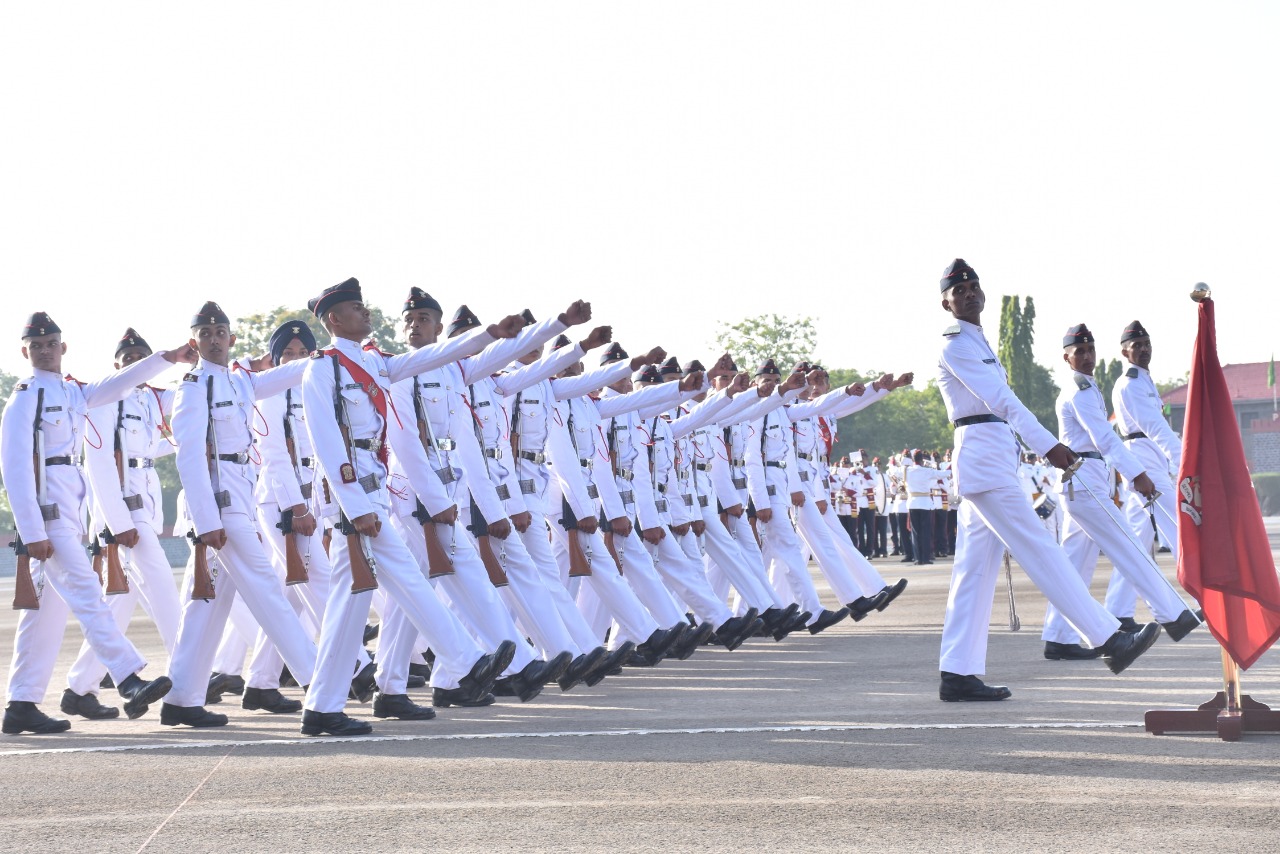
<point x="445" y="444"/>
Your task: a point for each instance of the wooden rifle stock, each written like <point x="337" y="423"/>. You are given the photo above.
<point x="438" y="561"/>
<point x="117" y="582"/>
<point x="95" y="551"/>
<point x="362" y="578"/>
<point x="579" y="566"/>
<point x="493" y="566"/>
<point x="203" y="586"/>
<point x="295" y="568"/>
<point x="613" y="550"/>
<point x="25" y="597"/>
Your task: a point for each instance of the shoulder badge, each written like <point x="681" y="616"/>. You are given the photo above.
<point x="348" y="473"/>
<point x="190" y="378"/>
<point x="1082" y="383"/>
<point x="951" y="331"/>
<point x="318" y="354"/>
<point x="21" y="387"/>
<point x="1132" y="373"/>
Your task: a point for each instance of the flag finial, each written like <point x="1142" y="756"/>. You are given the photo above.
<point x="1200" y="292"/>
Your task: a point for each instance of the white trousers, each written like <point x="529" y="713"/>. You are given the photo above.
<point x="869" y="581"/>
<point x="640" y="573"/>
<point x="688" y="579"/>
<point x="989" y="523"/>
<point x="742" y="567"/>
<point x="410" y="600"/>
<point x="242" y="566"/>
<point x="784" y="553"/>
<point x="150" y="583"/>
<point x="1122" y="596"/>
<point x="70" y="585"/>
<point x="537" y="543"/>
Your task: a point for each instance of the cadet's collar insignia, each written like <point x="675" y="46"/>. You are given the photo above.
<point x="20" y="387"/>
<point x="951" y="330"/>
<point x="190" y="378"/>
<point x="1082" y="382"/>
<point x="1132" y="373"/>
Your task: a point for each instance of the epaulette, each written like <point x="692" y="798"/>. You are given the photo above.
<point x="318" y="354"/>
<point x="1132" y="373"/>
<point x="1082" y="383"/>
<point x="21" y="387"/>
<point x="72" y="379"/>
<point x="951" y="331"/>
<point x="191" y="378"/>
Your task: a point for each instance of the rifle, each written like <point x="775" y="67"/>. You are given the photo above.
<point x="439" y="563"/>
<point x="492" y="565"/>
<point x="117" y="581"/>
<point x="579" y="557"/>
<point x="363" y="567"/>
<point x="202" y="588"/>
<point x="25" y="595"/>
<point x="95" y="555"/>
<point x="613" y="550"/>
<point x="295" y="563"/>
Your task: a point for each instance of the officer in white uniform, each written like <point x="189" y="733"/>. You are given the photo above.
<point x="128" y="496"/>
<point x="1092" y="517"/>
<point x="41" y="441"/>
<point x="995" y="511"/>
<point x="1148" y="436"/>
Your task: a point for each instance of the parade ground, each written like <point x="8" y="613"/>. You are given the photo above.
<point x="835" y="742"/>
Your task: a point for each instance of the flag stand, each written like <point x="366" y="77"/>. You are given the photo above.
<point x="1229" y="713"/>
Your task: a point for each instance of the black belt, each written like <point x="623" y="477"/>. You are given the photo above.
<point x="1131" y="436"/>
<point x="141" y="463"/>
<point x="532" y="457"/>
<point x="493" y="453"/>
<point x="58" y="461"/>
<point x="702" y="466"/>
<point x="374" y="445"/>
<point x="1089" y="455"/>
<point x="776" y="464"/>
<point x="241" y="458"/>
<point x="978" y="419"/>
<point x="808" y="457"/>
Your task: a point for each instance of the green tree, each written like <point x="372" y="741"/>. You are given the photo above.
<point x="750" y="341"/>
<point x="254" y="331"/>
<point x="7" y="382"/>
<point x="1030" y="381"/>
<point x="1106" y="374"/>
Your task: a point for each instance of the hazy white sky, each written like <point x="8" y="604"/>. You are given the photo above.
<point x="676" y="163"/>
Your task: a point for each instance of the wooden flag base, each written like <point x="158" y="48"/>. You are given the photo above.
<point x="1214" y="716"/>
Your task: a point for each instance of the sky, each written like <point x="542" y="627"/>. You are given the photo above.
<point x="677" y="164"/>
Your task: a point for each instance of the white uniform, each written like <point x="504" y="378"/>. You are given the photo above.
<point x="68" y="578"/>
<point x="995" y="513"/>
<point x="1082" y="416"/>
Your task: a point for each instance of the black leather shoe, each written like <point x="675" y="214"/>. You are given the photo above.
<point x="1123" y="648"/>
<point x="775" y="618"/>
<point x="612" y="664"/>
<point x="798" y="623"/>
<point x="286" y="678"/>
<point x="1129" y="624"/>
<point x="21" y="717"/>
<point x="362" y="686"/>
<point x="528" y="683"/>
<point x="734" y="632"/>
<point x="415" y="681"/>
<point x="863" y="605"/>
<point x="479" y="680"/>
<point x="269" y="700"/>
<point x="827" y="619"/>
<point x="218" y="683"/>
<point x="656" y="647"/>
<point x="107" y="682"/>
<point x="140" y="695"/>
<point x="963" y="689"/>
<point x="581" y="667"/>
<point x="195" y="716"/>
<point x="443" y="698"/>
<point x="1177" y="630"/>
<point x="693" y="638"/>
<point x="420" y="669"/>
<point x="890" y="592"/>
<point x="86" y="706"/>
<point x="370" y="632"/>
<point x="333" y="723"/>
<point x="399" y="706"/>
<point x="1069" y="652"/>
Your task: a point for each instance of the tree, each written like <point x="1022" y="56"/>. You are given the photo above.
<point x="751" y="341"/>
<point x="254" y="331"/>
<point x="1106" y="374"/>
<point x="7" y="382"/>
<point x="1030" y="381"/>
<point x="907" y="418"/>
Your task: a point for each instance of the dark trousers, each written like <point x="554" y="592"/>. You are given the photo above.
<point x="882" y="536"/>
<point x="904" y="535"/>
<point x="894" y="537"/>
<point x="850" y="524"/>
<point x="866" y="531"/>
<point x="922" y="534"/>
<point x="939" y="531"/>
<point x="952" y="527"/>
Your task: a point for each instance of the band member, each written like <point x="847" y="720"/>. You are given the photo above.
<point x="41" y="440"/>
<point x="986" y="414"/>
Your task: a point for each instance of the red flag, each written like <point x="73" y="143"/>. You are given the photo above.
<point x="1224" y="556"/>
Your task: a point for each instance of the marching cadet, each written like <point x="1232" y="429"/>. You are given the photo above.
<point x="523" y="584"/>
<point x="127" y="495"/>
<point x="213" y="414"/>
<point x="530" y="426"/>
<point x="986" y="415"/>
<point x="352" y="422"/>
<point x="1148" y="436"/>
<point x="1091" y="516"/>
<point x="578" y="522"/>
<point x="438" y="403"/>
<point x="41" y="440"/>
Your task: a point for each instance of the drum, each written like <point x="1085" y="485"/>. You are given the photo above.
<point x="1045" y="506"/>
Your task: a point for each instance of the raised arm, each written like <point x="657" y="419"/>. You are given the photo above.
<point x="984" y="381"/>
<point x="433" y="356"/>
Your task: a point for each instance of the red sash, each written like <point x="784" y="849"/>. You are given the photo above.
<point x="370" y="385"/>
<point x="827" y="439"/>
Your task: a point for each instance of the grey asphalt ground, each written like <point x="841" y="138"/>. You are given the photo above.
<point x="834" y="742"/>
